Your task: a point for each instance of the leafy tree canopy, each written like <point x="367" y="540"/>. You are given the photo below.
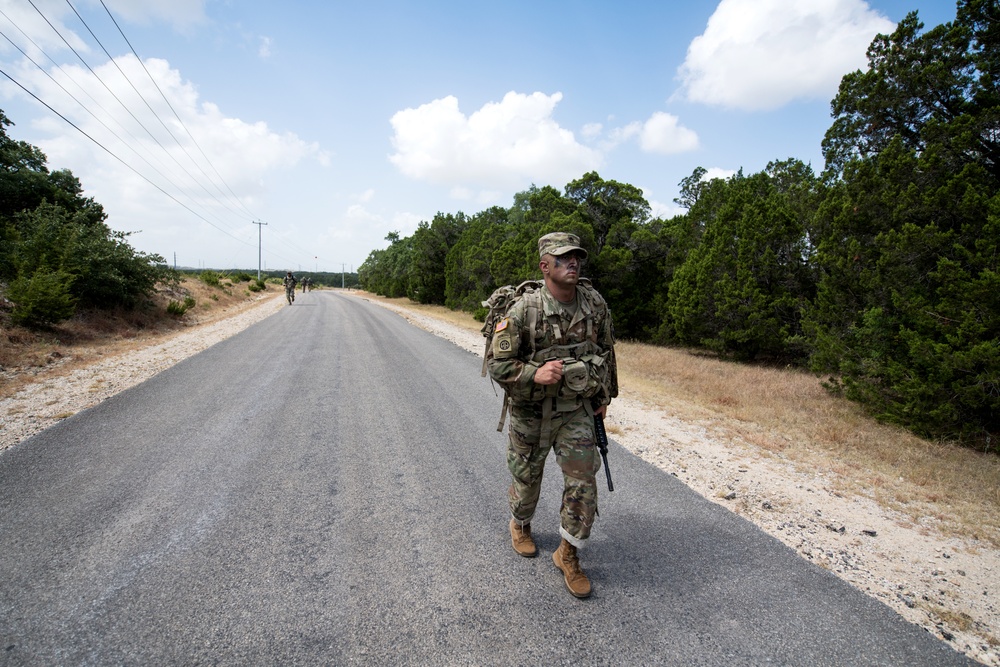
<point x="939" y="87"/>
<point x="56" y="251"/>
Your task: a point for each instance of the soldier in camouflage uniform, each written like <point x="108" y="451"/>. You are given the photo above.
<point x="290" y="287"/>
<point x="554" y="356"/>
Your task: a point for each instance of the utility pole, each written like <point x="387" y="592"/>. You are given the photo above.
<point x="260" y="226"/>
<point x="341" y="276"/>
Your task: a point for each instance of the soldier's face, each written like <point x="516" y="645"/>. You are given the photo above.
<point x="564" y="269"/>
<point x="571" y="260"/>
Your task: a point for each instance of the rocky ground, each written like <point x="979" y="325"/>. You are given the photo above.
<point x="948" y="586"/>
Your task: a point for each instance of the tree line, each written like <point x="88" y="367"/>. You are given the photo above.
<point x="56" y="252"/>
<point x="880" y="273"/>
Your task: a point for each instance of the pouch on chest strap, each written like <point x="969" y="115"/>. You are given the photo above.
<point x="575" y="375"/>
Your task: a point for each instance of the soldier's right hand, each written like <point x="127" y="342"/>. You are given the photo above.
<point x="549" y="373"/>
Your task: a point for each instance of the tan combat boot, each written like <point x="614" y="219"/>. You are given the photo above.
<point x="520" y="537"/>
<point x="566" y="560"/>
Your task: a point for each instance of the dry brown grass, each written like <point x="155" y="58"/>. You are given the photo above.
<point x="27" y="355"/>
<point x="958" y="620"/>
<point x="785" y="412"/>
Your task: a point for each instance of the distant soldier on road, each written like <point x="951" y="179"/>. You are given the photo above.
<point x="554" y="356"/>
<point x="290" y="287"/>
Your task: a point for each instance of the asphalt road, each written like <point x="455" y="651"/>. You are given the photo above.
<point x="328" y="487"/>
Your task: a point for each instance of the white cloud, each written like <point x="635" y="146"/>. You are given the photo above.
<point x="264" y="50"/>
<point x="23" y="17"/>
<point x="243" y="155"/>
<point x="179" y="13"/>
<point x="762" y="54"/>
<point x="366" y="196"/>
<point x="406" y="223"/>
<point x="502" y="145"/>
<point x="478" y="197"/>
<point x="358" y="222"/>
<point x="620" y="135"/>
<point x="664" y="211"/>
<point x="662" y="133"/>
<point x="357" y="213"/>
<point x="718" y="172"/>
<point x="32" y="31"/>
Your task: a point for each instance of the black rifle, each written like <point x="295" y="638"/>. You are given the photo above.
<point x="602" y="445"/>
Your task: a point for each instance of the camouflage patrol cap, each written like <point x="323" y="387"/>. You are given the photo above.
<point x="559" y="243"/>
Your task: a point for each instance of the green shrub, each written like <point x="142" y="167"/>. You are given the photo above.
<point x="210" y="278"/>
<point x="256" y="286"/>
<point x="107" y="272"/>
<point x="242" y="277"/>
<point x="178" y="308"/>
<point x="42" y="299"/>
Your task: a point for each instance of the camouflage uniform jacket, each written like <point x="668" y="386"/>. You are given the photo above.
<point x="537" y="330"/>
<point x="290" y="282"/>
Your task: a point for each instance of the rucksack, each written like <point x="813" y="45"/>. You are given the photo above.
<point x="499" y="305"/>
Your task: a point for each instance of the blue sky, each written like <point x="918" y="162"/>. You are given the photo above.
<point x="337" y="123"/>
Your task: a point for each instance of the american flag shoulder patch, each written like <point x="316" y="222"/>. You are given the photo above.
<point x="501" y="325"/>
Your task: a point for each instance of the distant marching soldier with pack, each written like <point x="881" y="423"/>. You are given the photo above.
<point x="290" y="287"/>
<point x="550" y="345"/>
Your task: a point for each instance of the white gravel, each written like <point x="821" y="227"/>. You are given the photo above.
<point x="947" y="586"/>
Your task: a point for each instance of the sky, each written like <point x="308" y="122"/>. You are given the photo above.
<point x="297" y="135"/>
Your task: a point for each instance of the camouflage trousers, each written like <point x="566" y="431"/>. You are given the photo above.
<point x="573" y="445"/>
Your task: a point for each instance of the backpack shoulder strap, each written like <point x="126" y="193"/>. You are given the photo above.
<point x="532" y="307"/>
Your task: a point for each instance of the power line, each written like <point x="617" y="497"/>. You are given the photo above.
<point x="69" y="78"/>
<point x="278" y="238"/>
<point x="193" y="140"/>
<point x="146" y="102"/>
<point x="120" y="102"/>
<point x="109" y="152"/>
<point x="97" y="76"/>
<point x="83" y="106"/>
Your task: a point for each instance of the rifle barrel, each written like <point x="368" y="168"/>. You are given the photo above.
<point x="602" y="445"/>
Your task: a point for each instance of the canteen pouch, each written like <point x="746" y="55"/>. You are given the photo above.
<point x="575" y="375"/>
